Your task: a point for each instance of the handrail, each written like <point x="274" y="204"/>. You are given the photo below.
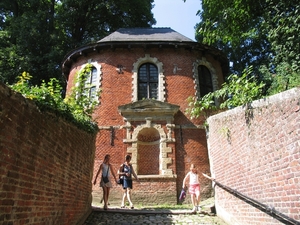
<point x="271" y="211"/>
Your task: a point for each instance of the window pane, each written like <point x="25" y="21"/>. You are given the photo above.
<point x="147" y="81"/>
<point x="143" y="73"/>
<point x="94" y="75"/>
<point x="88" y="79"/>
<point x="93" y="93"/>
<point x="153" y="73"/>
<point x="205" y="80"/>
<point x="142" y="93"/>
<point x="153" y="90"/>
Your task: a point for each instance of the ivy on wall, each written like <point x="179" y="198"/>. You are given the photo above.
<point x="48" y="97"/>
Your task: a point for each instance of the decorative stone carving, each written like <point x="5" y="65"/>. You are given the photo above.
<point x="148" y="132"/>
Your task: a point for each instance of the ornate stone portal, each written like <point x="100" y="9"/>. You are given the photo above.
<point x="154" y="126"/>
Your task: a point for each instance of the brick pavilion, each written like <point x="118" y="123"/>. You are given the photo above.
<point x="145" y="76"/>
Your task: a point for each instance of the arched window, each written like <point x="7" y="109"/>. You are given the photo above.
<point x="91" y="84"/>
<point x="205" y="80"/>
<point x="147" y="81"/>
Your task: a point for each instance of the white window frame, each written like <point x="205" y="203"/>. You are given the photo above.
<point x="97" y="82"/>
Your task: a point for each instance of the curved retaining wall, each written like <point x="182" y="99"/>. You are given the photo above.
<point x="256" y="151"/>
<point x="46" y="165"/>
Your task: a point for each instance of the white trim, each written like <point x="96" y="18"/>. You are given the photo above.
<point x="98" y="67"/>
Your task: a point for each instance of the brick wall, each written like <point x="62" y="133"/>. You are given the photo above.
<point x="149" y="159"/>
<point x="190" y="146"/>
<point x="46" y="165"/>
<point x="257" y="152"/>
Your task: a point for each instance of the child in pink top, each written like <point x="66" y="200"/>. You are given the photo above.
<point x="194" y="187"/>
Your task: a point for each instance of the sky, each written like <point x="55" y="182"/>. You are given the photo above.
<point x="178" y="15"/>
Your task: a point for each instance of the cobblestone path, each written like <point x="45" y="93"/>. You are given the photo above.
<point x="159" y="217"/>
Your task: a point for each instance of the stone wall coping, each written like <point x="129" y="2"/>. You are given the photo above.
<point x="294" y="92"/>
<point x="157" y="176"/>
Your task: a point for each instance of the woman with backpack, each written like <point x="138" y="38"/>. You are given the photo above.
<point x="126" y="171"/>
<point x="105" y="182"/>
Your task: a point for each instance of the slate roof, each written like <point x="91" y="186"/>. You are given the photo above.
<point x="163" y="37"/>
<point x="145" y="34"/>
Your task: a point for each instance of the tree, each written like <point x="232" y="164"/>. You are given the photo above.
<point x="252" y="32"/>
<point x="263" y="35"/>
<point x="30" y="40"/>
<point x="35" y="35"/>
<point x="86" y="21"/>
<point x="282" y="24"/>
<point x="236" y="91"/>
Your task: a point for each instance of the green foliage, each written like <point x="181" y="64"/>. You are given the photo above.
<point x="261" y="35"/>
<point x="201" y="107"/>
<point x="48" y="97"/>
<point x="231" y="25"/>
<point x="282" y="24"/>
<point x="79" y="97"/>
<point x="285" y="78"/>
<point x="35" y="35"/>
<point x="237" y="91"/>
<point x="240" y="90"/>
<point x="252" y="33"/>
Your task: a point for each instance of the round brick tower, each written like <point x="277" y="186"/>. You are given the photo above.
<point x="145" y="76"/>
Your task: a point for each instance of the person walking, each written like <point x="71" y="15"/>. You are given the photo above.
<point x="194" y="187"/>
<point x="126" y="171"/>
<point x="105" y="181"/>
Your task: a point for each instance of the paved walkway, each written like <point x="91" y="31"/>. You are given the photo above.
<point x="117" y="216"/>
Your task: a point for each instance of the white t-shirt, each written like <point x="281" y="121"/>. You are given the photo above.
<point x="193" y="178"/>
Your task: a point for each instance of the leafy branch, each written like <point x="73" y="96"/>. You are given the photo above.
<point x="48" y="97"/>
<point x="237" y="91"/>
<point x="79" y="97"/>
